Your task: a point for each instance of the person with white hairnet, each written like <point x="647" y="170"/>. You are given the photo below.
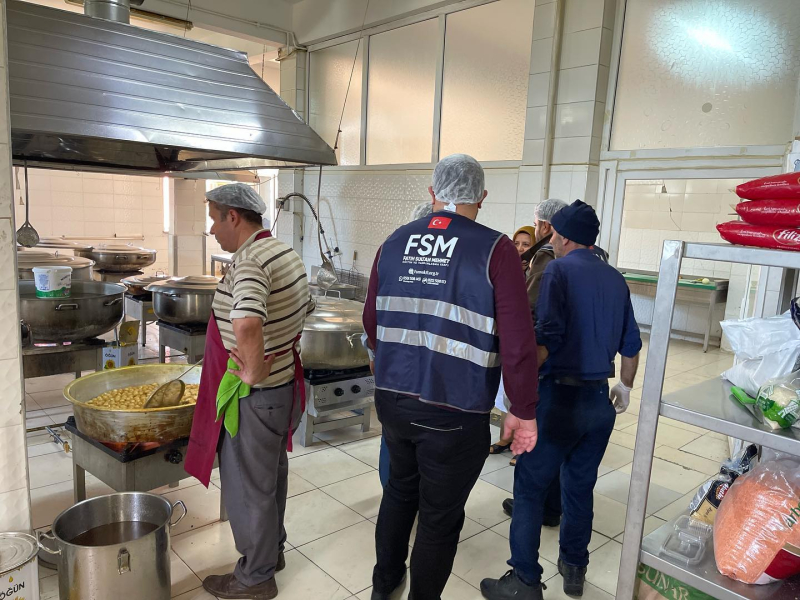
<point x="251" y="388"/>
<point x="446" y="307"/>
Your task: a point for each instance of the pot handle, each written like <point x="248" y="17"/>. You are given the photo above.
<point x="351" y="337"/>
<point x="112" y="302"/>
<point x="121" y="257"/>
<point x="183" y="506"/>
<point x="47" y="535"/>
<point x="67" y="307"/>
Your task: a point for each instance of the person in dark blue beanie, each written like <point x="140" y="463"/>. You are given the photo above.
<point x="584" y="318"/>
<point x="577" y="223"/>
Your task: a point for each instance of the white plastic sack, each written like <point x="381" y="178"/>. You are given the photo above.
<point x="757" y="337"/>
<point x="499" y="403"/>
<point x="765" y="349"/>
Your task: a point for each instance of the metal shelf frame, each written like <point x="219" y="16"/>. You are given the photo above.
<point x="707" y="407"/>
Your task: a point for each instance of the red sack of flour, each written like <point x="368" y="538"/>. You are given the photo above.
<point x="770" y="212"/>
<point x="783" y="187"/>
<point x="763" y="236"/>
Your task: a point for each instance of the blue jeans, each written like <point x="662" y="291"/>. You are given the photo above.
<point x="575" y="424"/>
<point x="383" y="463"/>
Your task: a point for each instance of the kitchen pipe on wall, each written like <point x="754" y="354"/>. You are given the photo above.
<point x="550" y="122"/>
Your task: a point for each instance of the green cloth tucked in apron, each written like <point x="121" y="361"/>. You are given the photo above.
<point x="231" y="389"/>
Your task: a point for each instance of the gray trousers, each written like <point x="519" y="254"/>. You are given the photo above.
<point x="253" y="469"/>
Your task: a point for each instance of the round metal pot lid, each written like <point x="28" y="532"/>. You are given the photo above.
<point x="80" y="290"/>
<point x="194" y="284"/>
<point x="63" y="244"/>
<point x="26" y="262"/>
<point x="16" y="549"/>
<point x="334" y="314"/>
<point x="142" y="280"/>
<point x="121" y="249"/>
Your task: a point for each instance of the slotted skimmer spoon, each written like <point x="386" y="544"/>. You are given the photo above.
<point x="169" y="394"/>
<point x="27" y="235"/>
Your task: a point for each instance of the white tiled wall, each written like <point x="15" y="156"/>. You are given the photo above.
<point x="96" y="205"/>
<point x="687" y="210"/>
<point x="690" y="210"/>
<point x="359" y="209"/>
<point x="14" y="493"/>
<point x="188" y="212"/>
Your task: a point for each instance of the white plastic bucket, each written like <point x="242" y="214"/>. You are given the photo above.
<point x="19" y="572"/>
<point x="52" y="282"/>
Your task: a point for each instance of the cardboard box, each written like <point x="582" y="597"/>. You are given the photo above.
<point x="120" y="356"/>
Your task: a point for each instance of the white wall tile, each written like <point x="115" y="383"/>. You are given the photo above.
<point x="533" y="152"/>
<point x="6" y="190"/>
<point x="541" y="55"/>
<point x="13" y="459"/>
<point x="535" y="119"/>
<point x="8" y="270"/>
<point x="581" y="48"/>
<point x="15" y="510"/>
<point x="529" y="187"/>
<point x="574" y="120"/>
<point x="578" y="84"/>
<point x="538" y="85"/>
<point x="544" y="21"/>
<point x="583" y="14"/>
<point x="572" y="150"/>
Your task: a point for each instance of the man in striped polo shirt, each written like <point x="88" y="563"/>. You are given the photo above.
<point x="259" y="308"/>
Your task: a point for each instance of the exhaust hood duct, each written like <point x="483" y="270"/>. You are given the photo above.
<point x="111" y="10"/>
<point x="97" y="95"/>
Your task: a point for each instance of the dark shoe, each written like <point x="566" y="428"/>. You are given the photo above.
<point x="574" y="578"/>
<point x="386" y="595"/>
<point x="551" y="521"/>
<point x="227" y="586"/>
<point x="508" y="506"/>
<point x="511" y="587"/>
<point x="281" y="562"/>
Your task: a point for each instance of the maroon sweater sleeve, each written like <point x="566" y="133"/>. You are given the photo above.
<point x="370" y="317"/>
<point x="515" y="329"/>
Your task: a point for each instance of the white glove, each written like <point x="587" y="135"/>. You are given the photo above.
<point x="620" y="397"/>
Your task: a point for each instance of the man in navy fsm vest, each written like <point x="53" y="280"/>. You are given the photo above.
<point x="446" y="306"/>
<point x="584" y="318"/>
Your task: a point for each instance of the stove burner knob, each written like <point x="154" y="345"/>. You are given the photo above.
<point x="175" y="457"/>
<point x="338" y="392"/>
<point x="356" y="389"/>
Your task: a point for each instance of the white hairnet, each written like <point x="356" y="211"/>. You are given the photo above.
<point x="458" y="179"/>
<point x="544" y="211"/>
<point x="237" y="195"/>
<point x="422" y="210"/>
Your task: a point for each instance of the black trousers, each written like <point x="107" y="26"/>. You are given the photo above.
<point x="436" y="456"/>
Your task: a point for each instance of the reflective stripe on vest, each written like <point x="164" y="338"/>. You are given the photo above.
<point x="437" y="334"/>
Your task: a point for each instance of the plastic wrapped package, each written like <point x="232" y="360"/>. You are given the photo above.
<point x="778" y="401"/>
<point x="756" y="533"/>
<point x="655" y="585"/>
<point x="785" y="186"/>
<point x="764" y="348"/>
<point x="770" y="212"/>
<point x="706" y="502"/>
<point x="777" y="237"/>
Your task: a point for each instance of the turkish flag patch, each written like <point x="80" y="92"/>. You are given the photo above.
<point x="439" y="223"/>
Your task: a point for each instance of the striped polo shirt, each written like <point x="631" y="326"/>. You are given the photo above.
<point x="266" y="279"/>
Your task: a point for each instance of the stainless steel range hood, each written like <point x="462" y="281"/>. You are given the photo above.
<point x="99" y="95"/>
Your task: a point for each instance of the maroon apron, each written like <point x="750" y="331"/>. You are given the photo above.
<point x="204" y="437"/>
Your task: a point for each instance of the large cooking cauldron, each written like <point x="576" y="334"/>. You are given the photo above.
<point x="332" y="335"/>
<point x="119" y="258"/>
<point x="135" y="425"/>
<point x="92" y="309"/>
<point x="184" y="300"/>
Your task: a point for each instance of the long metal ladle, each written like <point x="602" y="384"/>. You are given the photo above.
<point x="27" y="236"/>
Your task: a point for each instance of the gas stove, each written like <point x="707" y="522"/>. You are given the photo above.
<point x="126" y="467"/>
<point x="336" y="399"/>
<point x="189" y="339"/>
